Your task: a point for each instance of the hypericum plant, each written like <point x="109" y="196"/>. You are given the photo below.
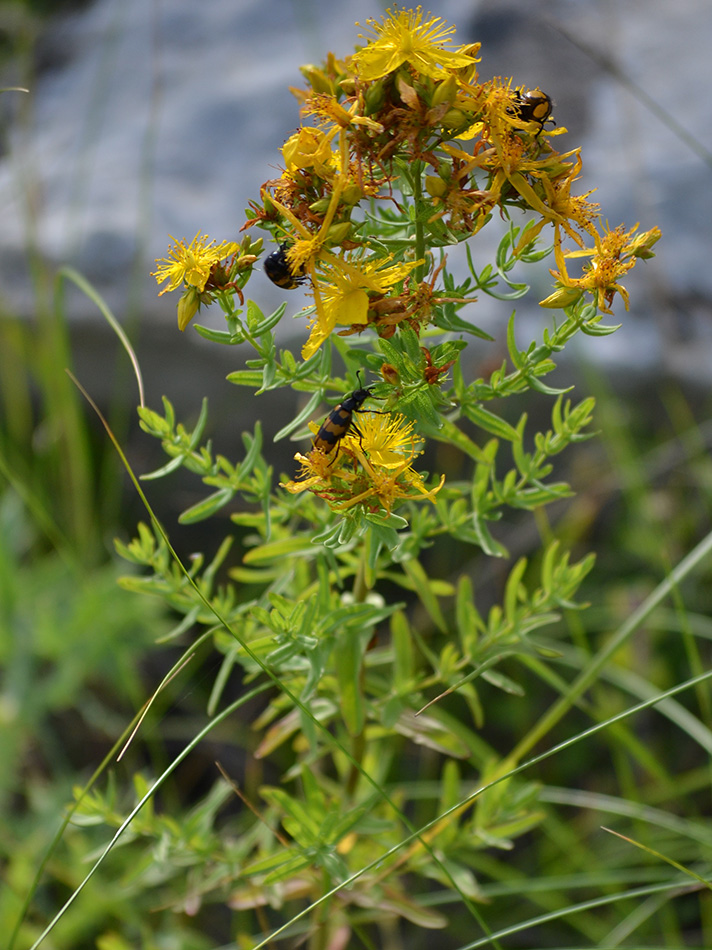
<point x="402" y="154"/>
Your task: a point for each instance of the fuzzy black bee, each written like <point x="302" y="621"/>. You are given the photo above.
<point x="277" y="268"/>
<point x="340" y="419"/>
<point x="533" y="106"/>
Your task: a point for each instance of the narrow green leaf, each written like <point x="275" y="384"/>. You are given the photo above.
<point x="449" y="320"/>
<point x="253" y="444"/>
<point x="306" y="413"/>
<point x="487" y="542"/>
<point x="599" y="329"/>
<point x="422" y="586"/>
<point x="245" y="377"/>
<point x="403" y="660"/>
<point x="207" y="507"/>
<point x="449" y="432"/>
<point x="490" y="422"/>
<point x="348" y="656"/>
<point x="287" y="547"/>
<point x="540" y="387"/>
<point x="267" y="323"/>
<point x="164" y="470"/>
<point x="219" y="336"/>
<point x="515" y="356"/>
<point x="511" y="592"/>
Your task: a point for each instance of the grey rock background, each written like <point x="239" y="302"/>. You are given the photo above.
<point x="158" y="118"/>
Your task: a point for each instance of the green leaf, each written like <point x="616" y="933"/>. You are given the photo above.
<point x="449" y="432"/>
<point x="423" y="587"/>
<point x="245" y="377"/>
<point x="207" y="507"/>
<point x="540" y="387"/>
<point x="306" y="413"/>
<point x="491" y="423"/>
<point x="599" y="329"/>
<point x="348" y="656"/>
<point x="515" y="356"/>
<point x="403" y="659"/>
<point x="286" y="547"/>
<point x="447" y="319"/>
<point x="487" y="542"/>
<point x="511" y="593"/>
<point x="219" y="336"/>
<point x="266" y="323"/>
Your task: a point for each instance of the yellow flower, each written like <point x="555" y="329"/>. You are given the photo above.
<point x="613" y="256"/>
<point x="341" y="293"/>
<point x="401" y="38"/>
<point x="386" y="439"/>
<point x="191" y="264"/>
<point x="328" y="109"/>
<point x="309" y="148"/>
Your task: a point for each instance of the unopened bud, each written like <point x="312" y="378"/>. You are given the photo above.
<point x="563" y="297"/>
<point x="435" y="186"/>
<point x="389" y="373"/>
<point x="250" y="246"/>
<point x="338" y="233"/>
<point x="316" y="78"/>
<point x="375" y="97"/>
<point x="456" y="120"/>
<point x="352" y="194"/>
<point x="188" y="306"/>
<point x="320" y="206"/>
<point x="445" y="91"/>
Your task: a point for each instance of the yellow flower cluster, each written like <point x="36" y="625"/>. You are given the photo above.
<point x="408" y="98"/>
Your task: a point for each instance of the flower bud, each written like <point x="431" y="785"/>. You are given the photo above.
<point x="435" y="186"/>
<point x="642" y="244"/>
<point x="316" y="78"/>
<point x="390" y="373"/>
<point x="456" y="120"/>
<point x="563" y="297"/>
<point x="188" y="306"/>
<point x="445" y="91"/>
<point x="250" y="246"/>
<point x="352" y="194"/>
<point x="375" y="97"/>
<point x="445" y="171"/>
<point x="320" y="206"/>
<point x="338" y="233"/>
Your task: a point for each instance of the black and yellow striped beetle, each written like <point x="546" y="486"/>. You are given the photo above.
<point x="277" y="268"/>
<point x="533" y="106"/>
<point x="340" y="419"/>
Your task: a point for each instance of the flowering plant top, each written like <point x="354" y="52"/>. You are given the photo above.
<point x="402" y="152"/>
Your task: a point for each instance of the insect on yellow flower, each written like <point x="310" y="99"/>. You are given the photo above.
<point x="375" y="468"/>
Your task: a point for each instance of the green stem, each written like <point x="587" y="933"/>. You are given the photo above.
<point x="358" y="743"/>
<point x="419" y="230"/>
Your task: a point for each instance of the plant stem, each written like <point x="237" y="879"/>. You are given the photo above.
<point x="419" y="229"/>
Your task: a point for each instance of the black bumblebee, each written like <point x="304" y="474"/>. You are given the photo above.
<point x="533" y="106"/>
<point x="340" y="419"/>
<point x="277" y="268"/>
